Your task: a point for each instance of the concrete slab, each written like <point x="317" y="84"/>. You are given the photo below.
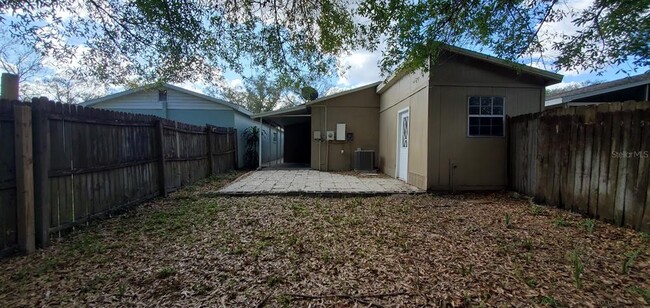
<point x="283" y="182"/>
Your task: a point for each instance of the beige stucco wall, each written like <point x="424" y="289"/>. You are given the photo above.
<point x="480" y="161"/>
<point x="409" y="91"/>
<point x="360" y="112"/>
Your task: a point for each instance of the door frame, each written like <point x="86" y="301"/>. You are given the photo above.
<point x="397" y="143"/>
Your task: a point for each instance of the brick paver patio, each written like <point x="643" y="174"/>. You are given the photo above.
<point x="315" y="182"/>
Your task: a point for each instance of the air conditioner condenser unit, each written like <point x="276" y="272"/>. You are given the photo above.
<point x="364" y="160"/>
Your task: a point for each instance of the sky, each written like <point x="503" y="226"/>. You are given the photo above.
<point x="363" y="66"/>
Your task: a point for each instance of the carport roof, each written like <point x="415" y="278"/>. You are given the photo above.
<point x="286" y="116"/>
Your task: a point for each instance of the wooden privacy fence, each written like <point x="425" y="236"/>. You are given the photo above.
<point x="88" y="162"/>
<point x="594" y="160"/>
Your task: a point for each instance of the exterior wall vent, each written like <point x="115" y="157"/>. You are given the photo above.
<point x="364" y="160"/>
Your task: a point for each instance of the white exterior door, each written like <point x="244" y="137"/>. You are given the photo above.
<point x="403" y="145"/>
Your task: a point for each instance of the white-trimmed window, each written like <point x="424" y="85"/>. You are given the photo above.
<point x="485" y="116"/>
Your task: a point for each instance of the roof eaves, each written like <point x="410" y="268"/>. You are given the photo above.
<point x="342" y="93"/>
<point x="98" y="100"/>
<point x="477" y="55"/>
<point x="506" y="63"/>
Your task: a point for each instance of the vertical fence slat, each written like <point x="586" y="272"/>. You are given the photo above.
<point x="595" y="164"/>
<point x="24" y="178"/>
<point x="644" y="176"/>
<point x="621" y="180"/>
<point x="588" y="119"/>
<point x="160" y="135"/>
<point x="41" y="134"/>
<point x="631" y="193"/>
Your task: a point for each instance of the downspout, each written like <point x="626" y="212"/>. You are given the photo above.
<point x="259" y="145"/>
<point x="647" y="92"/>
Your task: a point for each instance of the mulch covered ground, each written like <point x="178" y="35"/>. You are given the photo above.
<point x="193" y="249"/>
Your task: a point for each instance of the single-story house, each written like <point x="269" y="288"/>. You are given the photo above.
<point x="182" y="105"/>
<point x="633" y="88"/>
<point x="444" y="129"/>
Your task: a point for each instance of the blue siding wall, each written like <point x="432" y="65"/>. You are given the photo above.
<point x="223" y="118"/>
<point x="156" y="112"/>
<point x="271" y="150"/>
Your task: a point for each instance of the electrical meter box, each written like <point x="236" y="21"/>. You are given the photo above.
<point x="330" y="135"/>
<point x="317" y="135"/>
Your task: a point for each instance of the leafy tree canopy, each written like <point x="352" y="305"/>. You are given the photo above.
<point x="258" y="94"/>
<point x="299" y="40"/>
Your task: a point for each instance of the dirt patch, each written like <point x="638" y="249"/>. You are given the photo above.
<point x="463" y="250"/>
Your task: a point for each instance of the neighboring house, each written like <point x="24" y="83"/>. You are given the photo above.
<point x="440" y="130"/>
<point x="634" y="88"/>
<point x="182" y="105"/>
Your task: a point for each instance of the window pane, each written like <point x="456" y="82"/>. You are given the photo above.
<point x="497" y="101"/>
<point x="497" y="131"/>
<point x="474" y="101"/>
<point x="473" y="121"/>
<point x="485" y="121"/>
<point x="484" y="131"/>
<point x="473" y="130"/>
<point x="486" y="105"/>
<point x="473" y="110"/>
<point x="497" y="110"/>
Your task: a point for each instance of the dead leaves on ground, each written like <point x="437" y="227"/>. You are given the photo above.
<point x="460" y="250"/>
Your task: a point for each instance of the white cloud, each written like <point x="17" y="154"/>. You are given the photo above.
<point x="192" y="86"/>
<point x="236" y="83"/>
<point x="564" y="85"/>
<point x="358" y="67"/>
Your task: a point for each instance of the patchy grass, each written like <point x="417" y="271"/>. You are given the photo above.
<point x="589" y="225"/>
<point x="196" y="249"/>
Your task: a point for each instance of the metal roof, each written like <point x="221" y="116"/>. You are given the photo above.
<point x="610" y="86"/>
<point x="234" y="106"/>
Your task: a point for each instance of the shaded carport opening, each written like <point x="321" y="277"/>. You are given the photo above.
<point x="296" y="123"/>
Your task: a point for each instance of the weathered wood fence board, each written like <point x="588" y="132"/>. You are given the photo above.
<point x="592" y="160"/>
<point x="89" y="162"/>
<point x="8" y="215"/>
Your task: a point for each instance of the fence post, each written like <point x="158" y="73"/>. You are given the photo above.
<point x="9" y="86"/>
<point x="160" y="136"/>
<point x="24" y="178"/>
<point x="208" y="134"/>
<point x="41" y="134"/>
